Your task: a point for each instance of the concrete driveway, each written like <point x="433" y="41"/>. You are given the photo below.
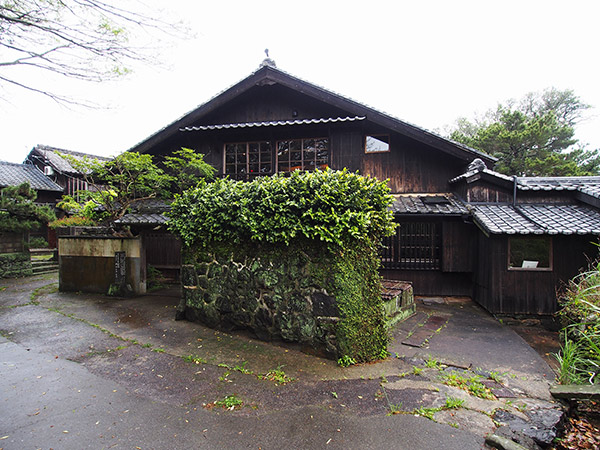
<point x="89" y="371"/>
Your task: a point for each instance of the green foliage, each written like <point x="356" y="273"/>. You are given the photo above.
<point x="18" y="212"/>
<point x="15" y="265"/>
<point x="73" y="221"/>
<point x="469" y="383"/>
<point x="229" y="402"/>
<point x="329" y="206"/>
<point x="154" y="278"/>
<point x="432" y="363"/>
<point x="579" y="358"/>
<point x="194" y="359"/>
<point x="278" y="376"/>
<point x="341" y="213"/>
<point x="454" y="403"/>
<point x="534" y="137"/>
<point x="37" y="242"/>
<point x="186" y="169"/>
<point x="128" y="179"/>
<point x="427" y="412"/>
<point x="346" y="361"/>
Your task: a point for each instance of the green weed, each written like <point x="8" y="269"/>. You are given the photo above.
<point x="427" y="412"/>
<point x="454" y="403"/>
<point x="194" y="359"/>
<point x="471" y="384"/>
<point x="277" y="375"/>
<point x="229" y="402"/>
<point x="395" y="408"/>
<point x="432" y="363"/>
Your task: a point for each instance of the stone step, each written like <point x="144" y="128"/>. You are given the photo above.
<point x="43" y="262"/>
<point x="576" y="391"/>
<point x="44" y="268"/>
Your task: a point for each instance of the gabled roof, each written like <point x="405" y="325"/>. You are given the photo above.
<point x="12" y="174"/>
<point x="428" y="204"/>
<point x="268" y="74"/>
<point x="536" y="219"/>
<point x="478" y="170"/>
<point x="50" y="156"/>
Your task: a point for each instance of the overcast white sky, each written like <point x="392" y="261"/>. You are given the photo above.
<point x="426" y="62"/>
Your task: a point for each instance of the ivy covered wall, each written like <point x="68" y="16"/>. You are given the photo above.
<point x="292" y="257"/>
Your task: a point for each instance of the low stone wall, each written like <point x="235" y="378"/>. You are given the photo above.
<point x="276" y="296"/>
<point x="90" y="264"/>
<point x="14" y="265"/>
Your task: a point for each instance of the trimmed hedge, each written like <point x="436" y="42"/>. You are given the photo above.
<point x="343" y="214"/>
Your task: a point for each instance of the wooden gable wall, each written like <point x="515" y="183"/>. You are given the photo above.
<point x="410" y="166"/>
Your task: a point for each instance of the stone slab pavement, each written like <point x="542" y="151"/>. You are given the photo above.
<point x="89" y="371"/>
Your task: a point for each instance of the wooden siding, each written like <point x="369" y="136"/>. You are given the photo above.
<point x="433" y="282"/>
<point x="503" y="291"/>
<point x="410" y="166"/>
<point x="162" y="251"/>
<point x="459" y="243"/>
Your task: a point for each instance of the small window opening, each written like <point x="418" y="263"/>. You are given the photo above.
<point x="529" y="253"/>
<point x="377" y="143"/>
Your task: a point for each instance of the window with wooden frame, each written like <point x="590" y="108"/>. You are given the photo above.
<point x="302" y="154"/>
<point x="248" y="159"/>
<point x="414" y="246"/>
<point x="377" y="143"/>
<point x="530" y="253"/>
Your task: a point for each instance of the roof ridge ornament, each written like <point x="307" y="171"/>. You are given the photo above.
<point x="477" y="165"/>
<point x="267" y="61"/>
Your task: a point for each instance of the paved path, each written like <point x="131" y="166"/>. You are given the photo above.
<point x="84" y="371"/>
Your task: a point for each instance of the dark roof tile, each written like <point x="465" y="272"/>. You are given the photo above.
<point x="537" y="219"/>
<point x="12" y="174"/>
<point x="51" y="156"/>
<point x="273" y="123"/>
<point x="446" y="204"/>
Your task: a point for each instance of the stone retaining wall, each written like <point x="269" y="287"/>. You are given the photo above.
<point x="276" y="296"/>
<point x="14" y="265"/>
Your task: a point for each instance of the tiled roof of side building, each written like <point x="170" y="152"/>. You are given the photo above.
<point x="558" y="183"/>
<point x="537" y="219"/>
<point x="441" y="203"/>
<point x="51" y="156"/>
<point x="147" y="212"/>
<point x="12" y="174"/>
<point x="143" y="219"/>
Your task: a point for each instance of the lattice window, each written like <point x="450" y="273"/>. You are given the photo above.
<point x="302" y="154"/>
<point x="415" y="246"/>
<point x="245" y="159"/>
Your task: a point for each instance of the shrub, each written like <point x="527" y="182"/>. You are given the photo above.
<point x="579" y="358"/>
<point x="343" y="213"/>
<point x="74" y="221"/>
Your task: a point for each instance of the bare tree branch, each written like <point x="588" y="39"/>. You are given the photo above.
<point x="89" y="40"/>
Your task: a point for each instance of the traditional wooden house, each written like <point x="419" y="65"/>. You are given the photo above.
<point x="273" y="122"/>
<point x="49" y="160"/>
<point x="535" y="233"/>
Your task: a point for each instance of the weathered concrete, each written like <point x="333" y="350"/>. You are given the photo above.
<point x="87" y="264"/>
<point x="133" y="346"/>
